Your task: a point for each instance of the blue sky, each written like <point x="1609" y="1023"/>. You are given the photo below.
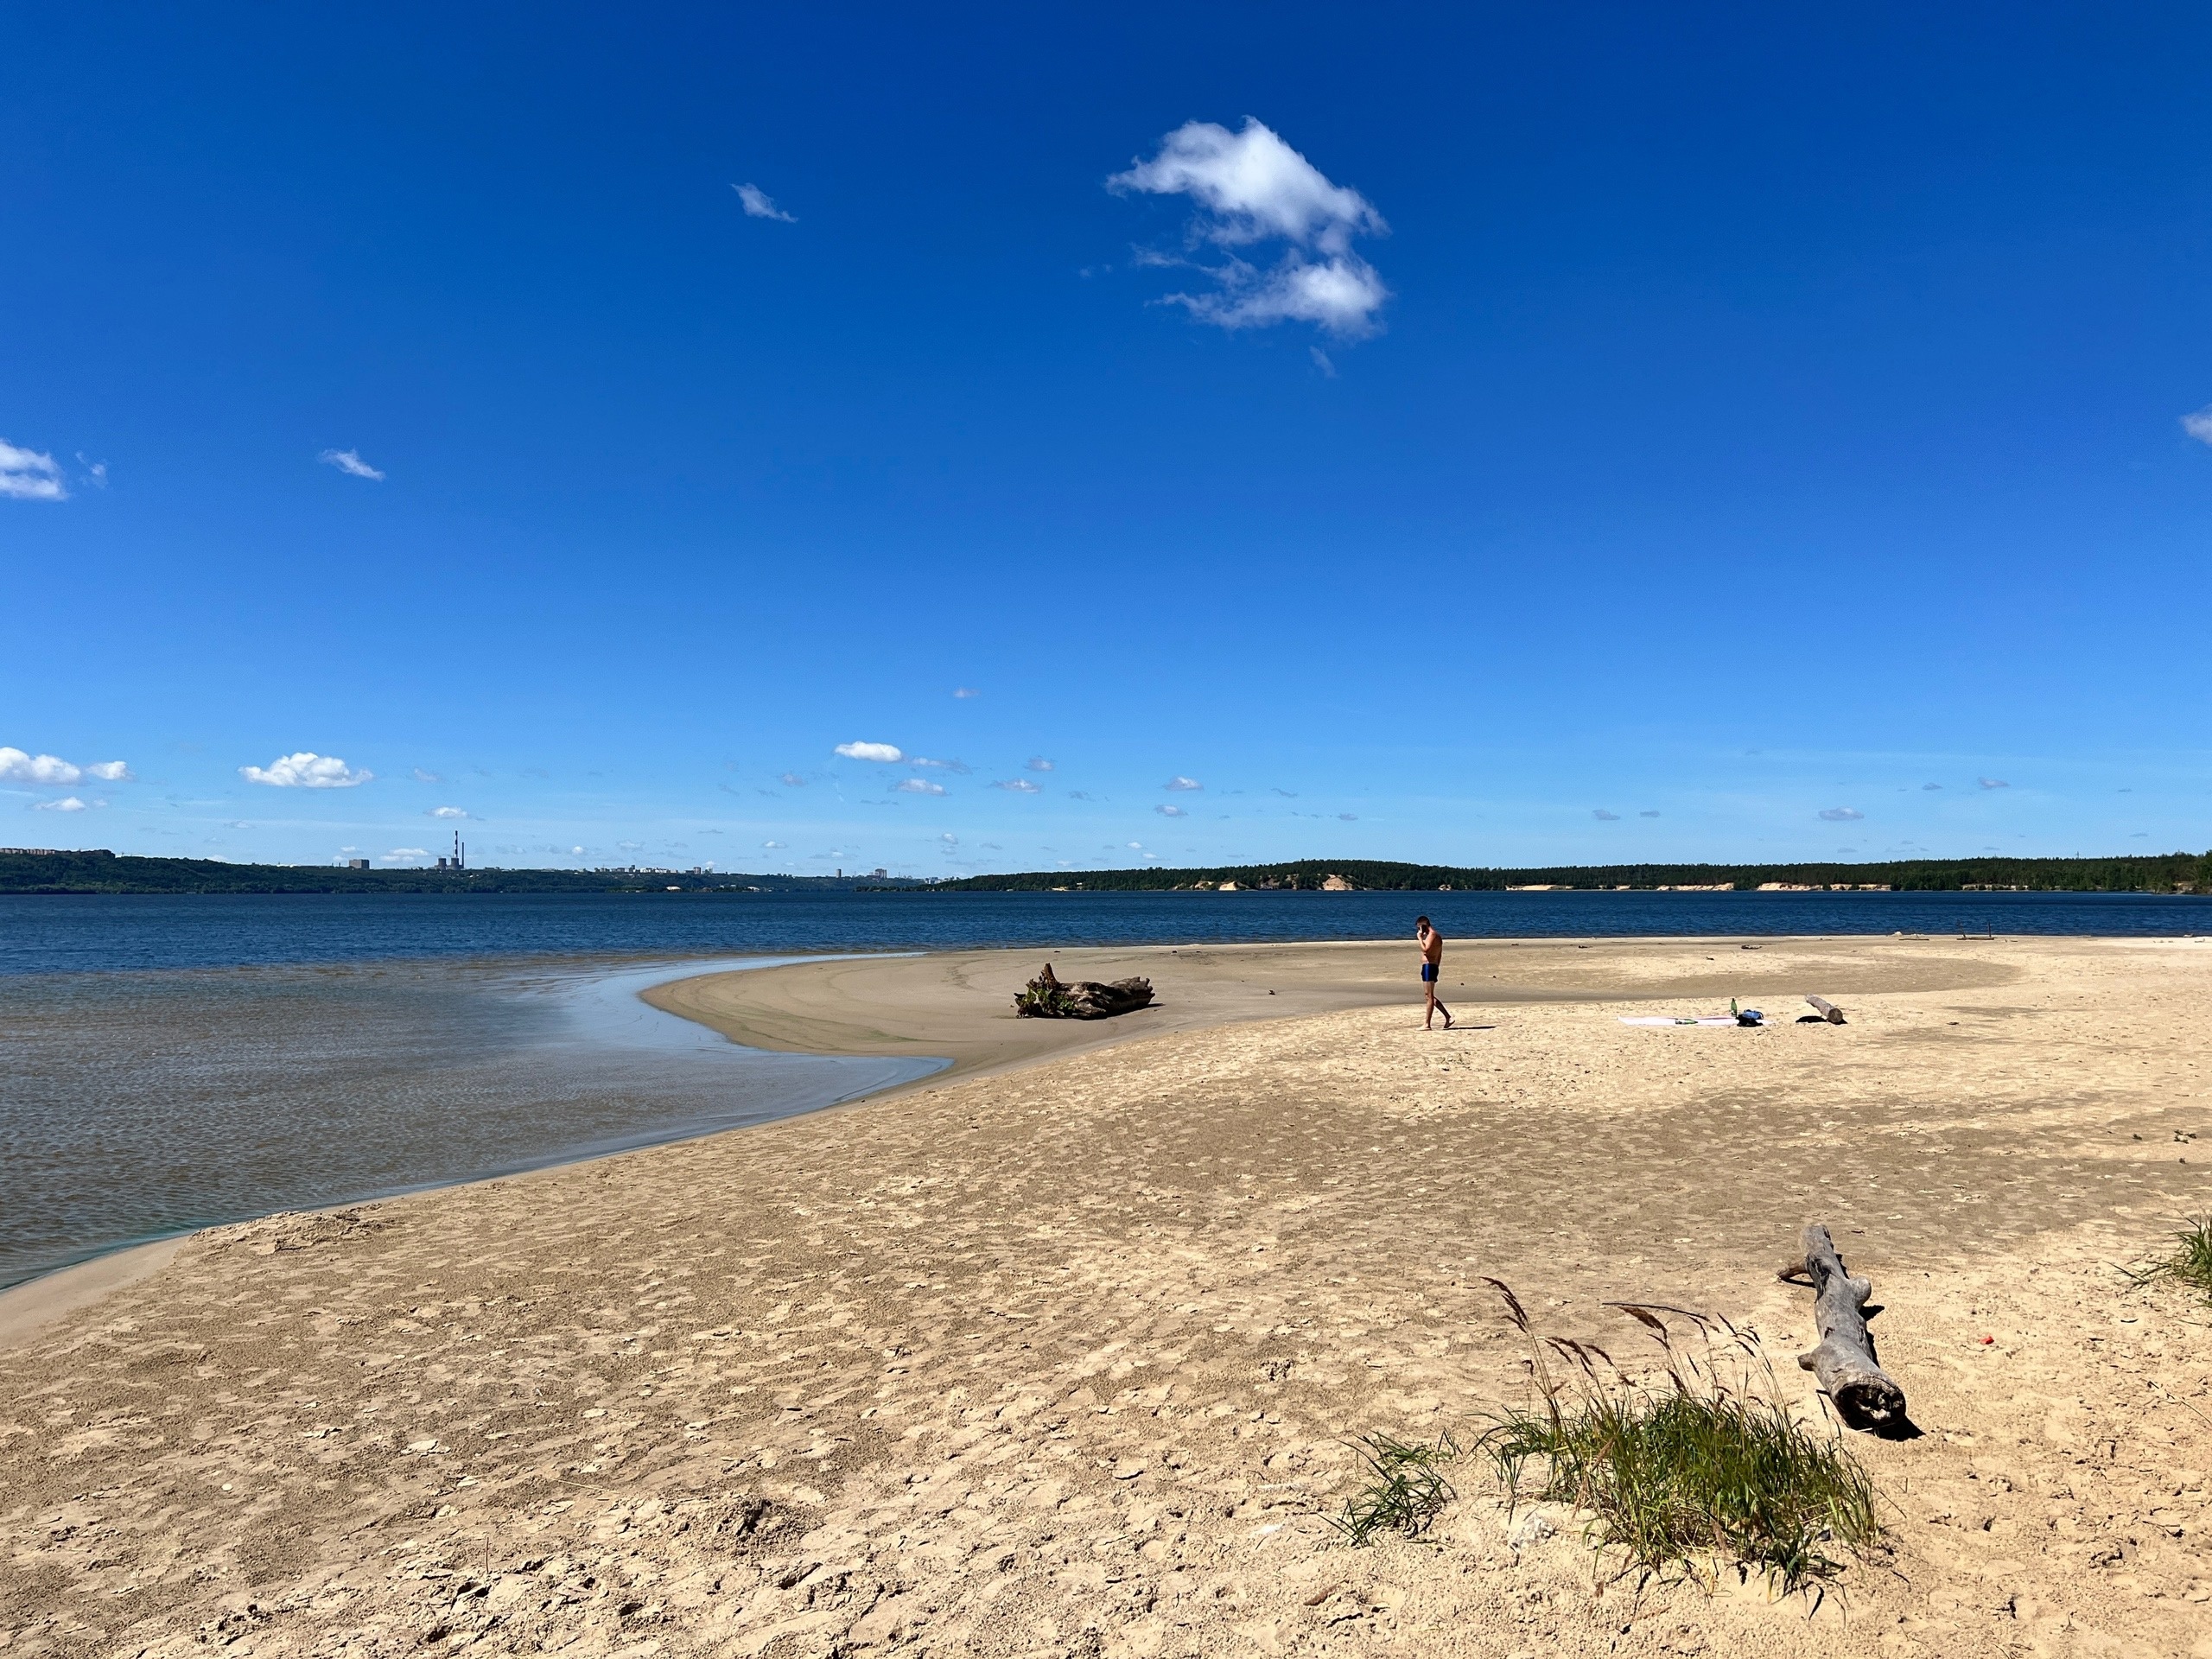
<point x="1481" y="436"/>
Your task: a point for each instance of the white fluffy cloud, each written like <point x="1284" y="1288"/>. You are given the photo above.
<point x="2198" y="426"/>
<point x="919" y="786"/>
<point x="1038" y="762"/>
<point x="400" y="854"/>
<point x="960" y="766"/>
<point x="1181" y="782"/>
<point x="349" y="461"/>
<point x="29" y="475"/>
<point x="759" y="204"/>
<point x="1251" y="188"/>
<point x="307" y="769"/>
<point x="66" y="804"/>
<point x="1842" y="814"/>
<point x="447" y="812"/>
<point x="886" y="753"/>
<point x="17" y="767"/>
<point x="1167" y="811"/>
<point x="772" y="846"/>
<point x="1019" y="785"/>
<point x="1992" y="783"/>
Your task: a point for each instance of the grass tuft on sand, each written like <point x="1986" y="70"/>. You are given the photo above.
<point x="2190" y="1261"/>
<point x="1405" y="1489"/>
<point x="1705" y="1470"/>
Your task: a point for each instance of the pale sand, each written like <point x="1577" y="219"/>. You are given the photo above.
<point x="1060" y="1360"/>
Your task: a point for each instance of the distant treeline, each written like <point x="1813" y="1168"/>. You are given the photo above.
<point x="103" y="872"/>
<point x="2163" y="873"/>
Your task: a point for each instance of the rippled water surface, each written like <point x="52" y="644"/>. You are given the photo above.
<point x="168" y="1062"/>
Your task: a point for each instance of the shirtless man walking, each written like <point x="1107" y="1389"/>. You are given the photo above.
<point x="1431" y="964"/>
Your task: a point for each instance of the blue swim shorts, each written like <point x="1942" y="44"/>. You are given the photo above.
<point x="1427" y="972"/>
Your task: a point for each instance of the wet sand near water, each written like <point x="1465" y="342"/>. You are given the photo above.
<point x="1061" y="1357"/>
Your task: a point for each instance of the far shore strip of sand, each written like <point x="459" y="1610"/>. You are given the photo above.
<point x="1062" y="1351"/>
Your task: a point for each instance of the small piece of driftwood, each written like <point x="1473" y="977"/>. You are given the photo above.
<point x="1050" y="997"/>
<point x="1826" y="1010"/>
<point x="1865" y="1395"/>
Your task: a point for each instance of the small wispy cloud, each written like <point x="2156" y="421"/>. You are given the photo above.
<point x="1167" y="811"/>
<point x="771" y="846"/>
<point x="888" y="755"/>
<point x="1179" y="782"/>
<point x="30" y="474"/>
<point x="1992" y="783"/>
<point x="1019" y="785"/>
<point x="949" y="839"/>
<point x="17" y="767"/>
<point x="66" y="804"/>
<point x="422" y="777"/>
<point x="307" y="769"/>
<point x="1842" y="814"/>
<point x="95" y="471"/>
<point x="1603" y="817"/>
<point x="446" y="813"/>
<point x="792" y="781"/>
<point x="2199" y="425"/>
<point x="1648" y="813"/>
<point x="1252" y="188"/>
<point x="1931" y="786"/>
<point x="1078" y="794"/>
<point x="1288" y="794"/>
<point x="759" y="204"/>
<point x="400" y="855"/>
<point x="919" y="786"/>
<point x="1321" y="362"/>
<point x="1348" y="817"/>
<point x="965" y="691"/>
<point x="1038" y="762"/>
<point x="349" y="461"/>
<point x="960" y="766"/>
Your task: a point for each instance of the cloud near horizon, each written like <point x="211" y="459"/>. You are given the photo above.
<point x="1019" y="785"/>
<point x="307" y="769"/>
<point x="1992" y="783"/>
<point x="1842" y="814"/>
<point x="1251" y="188"/>
<point x="1167" y="811"/>
<point x="446" y="813"/>
<point x="1603" y="817"/>
<point x="66" y="804"/>
<point x="919" y="786"/>
<point x="1179" y="782"/>
<point x="30" y="474"/>
<point x="758" y="204"/>
<point x="17" y="767"/>
<point x="1037" y="763"/>
<point x="886" y="754"/>
<point x="349" y="461"/>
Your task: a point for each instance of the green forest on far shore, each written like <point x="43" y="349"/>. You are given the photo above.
<point x="22" y="871"/>
<point x="2167" y="873"/>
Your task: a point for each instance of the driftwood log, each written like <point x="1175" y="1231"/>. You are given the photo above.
<point x="1826" y="1010"/>
<point x="1050" y="997"/>
<point x="1865" y="1395"/>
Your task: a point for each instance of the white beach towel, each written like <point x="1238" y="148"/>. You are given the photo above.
<point x="1662" y="1019"/>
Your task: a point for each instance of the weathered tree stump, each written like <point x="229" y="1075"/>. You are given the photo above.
<point x="1865" y="1395"/>
<point x="1049" y="997"/>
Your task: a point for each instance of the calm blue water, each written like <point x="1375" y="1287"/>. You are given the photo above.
<point x="130" y="931"/>
<point x="168" y="1063"/>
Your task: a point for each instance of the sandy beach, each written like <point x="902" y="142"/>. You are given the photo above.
<point x="1057" y="1351"/>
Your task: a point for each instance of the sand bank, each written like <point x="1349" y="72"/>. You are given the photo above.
<point x="1060" y="1359"/>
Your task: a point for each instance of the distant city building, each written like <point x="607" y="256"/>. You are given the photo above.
<point x="357" y="863"/>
